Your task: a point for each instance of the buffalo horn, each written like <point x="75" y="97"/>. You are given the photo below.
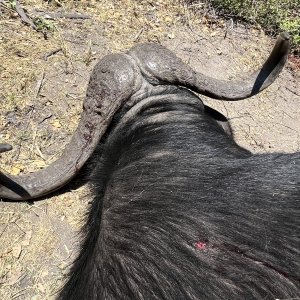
<point x="113" y="80"/>
<point x="160" y="66"/>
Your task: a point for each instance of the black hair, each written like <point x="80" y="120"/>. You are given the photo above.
<point x="180" y="211"/>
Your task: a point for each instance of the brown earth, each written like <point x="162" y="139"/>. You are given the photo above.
<point x="41" y="102"/>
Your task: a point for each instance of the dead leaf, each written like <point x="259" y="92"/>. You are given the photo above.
<point x="15" y="171"/>
<point x="56" y="123"/>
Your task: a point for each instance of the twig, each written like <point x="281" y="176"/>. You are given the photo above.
<point x="40" y="84"/>
<point x="45" y="118"/>
<point x="71" y="16"/>
<point x="39" y="152"/>
<point x="48" y="54"/>
<point x="59" y="15"/>
<point x="23" y="16"/>
<point x="138" y="35"/>
<point x="19" y="293"/>
<point x="72" y="96"/>
<point x="293" y="92"/>
<point x="14" y="222"/>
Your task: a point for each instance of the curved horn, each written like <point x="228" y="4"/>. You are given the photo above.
<point x="159" y="65"/>
<point x="113" y="80"/>
<point x="5" y="147"/>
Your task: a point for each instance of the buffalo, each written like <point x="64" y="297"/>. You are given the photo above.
<point x="180" y="211"/>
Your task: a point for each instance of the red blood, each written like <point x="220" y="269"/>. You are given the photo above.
<point x="200" y="245"/>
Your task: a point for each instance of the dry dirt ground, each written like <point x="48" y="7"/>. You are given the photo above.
<point x="41" y="100"/>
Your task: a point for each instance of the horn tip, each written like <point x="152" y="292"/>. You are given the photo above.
<point x="5" y="147"/>
<point x="285" y="35"/>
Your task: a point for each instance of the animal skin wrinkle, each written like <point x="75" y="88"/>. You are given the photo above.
<point x="170" y="95"/>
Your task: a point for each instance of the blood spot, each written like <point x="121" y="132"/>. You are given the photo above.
<point x="200" y="245"/>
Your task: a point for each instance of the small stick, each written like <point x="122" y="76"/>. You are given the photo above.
<point x="48" y="54"/>
<point x="74" y="16"/>
<point x="40" y="84"/>
<point x="23" y="15"/>
<point x="138" y="35"/>
<point x="293" y="92"/>
<point x="65" y="15"/>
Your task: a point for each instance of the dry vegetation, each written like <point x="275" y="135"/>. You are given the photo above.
<point x="273" y="15"/>
<point x="41" y="100"/>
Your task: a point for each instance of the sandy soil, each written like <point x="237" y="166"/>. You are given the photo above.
<point x="41" y="102"/>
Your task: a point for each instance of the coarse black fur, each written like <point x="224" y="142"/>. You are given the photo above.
<point x="182" y="212"/>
